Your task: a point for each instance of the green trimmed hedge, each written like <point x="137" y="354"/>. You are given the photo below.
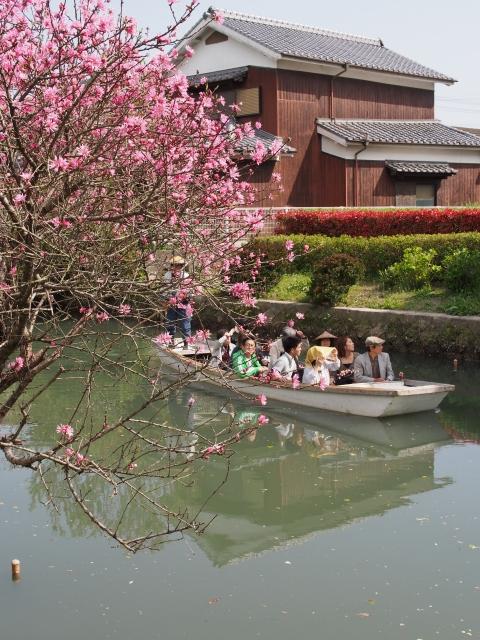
<point x="376" y="253"/>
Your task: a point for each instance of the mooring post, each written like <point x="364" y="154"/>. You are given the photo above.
<point x="455" y="364"/>
<point x="16" y="569"/>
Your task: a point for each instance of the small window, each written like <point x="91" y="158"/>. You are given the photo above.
<point x="249" y="101"/>
<point x="425" y="195"/>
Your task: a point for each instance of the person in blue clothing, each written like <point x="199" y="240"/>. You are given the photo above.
<point x="178" y="312"/>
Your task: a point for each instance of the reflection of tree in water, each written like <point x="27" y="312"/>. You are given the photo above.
<point x="187" y="426"/>
<point x="286" y="481"/>
<point x="295" y="481"/>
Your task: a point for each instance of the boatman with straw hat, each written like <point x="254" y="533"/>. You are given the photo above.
<point x="179" y="309"/>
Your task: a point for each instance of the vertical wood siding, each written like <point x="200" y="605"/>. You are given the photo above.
<point x="291" y="103"/>
<point x="370" y="100"/>
<point x="462" y="188"/>
<point x="375" y="187"/>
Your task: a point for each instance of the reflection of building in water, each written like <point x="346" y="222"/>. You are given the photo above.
<point x="277" y="495"/>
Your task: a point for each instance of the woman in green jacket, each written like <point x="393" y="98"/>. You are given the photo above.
<point x="244" y="361"/>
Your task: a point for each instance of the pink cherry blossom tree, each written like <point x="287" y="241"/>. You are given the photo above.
<point x="109" y="166"/>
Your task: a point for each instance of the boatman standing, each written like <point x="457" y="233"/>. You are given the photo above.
<point x="374" y="365"/>
<point x="179" y="309"/>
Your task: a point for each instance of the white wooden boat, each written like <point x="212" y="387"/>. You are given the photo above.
<point x="373" y="400"/>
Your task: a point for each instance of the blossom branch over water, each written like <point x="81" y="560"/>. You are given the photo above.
<point x="109" y="166"/>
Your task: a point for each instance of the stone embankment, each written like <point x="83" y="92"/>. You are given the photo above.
<point x="428" y="333"/>
<point x="423" y="333"/>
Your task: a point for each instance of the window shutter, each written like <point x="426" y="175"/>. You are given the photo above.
<point x="249" y="101"/>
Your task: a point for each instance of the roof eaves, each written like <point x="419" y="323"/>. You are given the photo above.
<point x="329" y="134"/>
<point x="440" y="78"/>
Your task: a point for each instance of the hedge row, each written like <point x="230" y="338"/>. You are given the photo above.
<point x="374" y="222"/>
<point x="376" y="253"/>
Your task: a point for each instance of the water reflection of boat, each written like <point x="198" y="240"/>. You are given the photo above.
<point x="297" y="479"/>
<point x="365" y="399"/>
<point x="397" y="433"/>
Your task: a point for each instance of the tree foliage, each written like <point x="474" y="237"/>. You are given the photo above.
<point x="107" y="164"/>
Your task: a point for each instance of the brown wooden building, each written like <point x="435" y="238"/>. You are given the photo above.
<point x="358" y="118"/>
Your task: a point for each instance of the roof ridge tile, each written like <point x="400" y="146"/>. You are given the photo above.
<point x="248" y="17"/>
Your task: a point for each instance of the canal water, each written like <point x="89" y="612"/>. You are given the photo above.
<point x="328" y="527"/>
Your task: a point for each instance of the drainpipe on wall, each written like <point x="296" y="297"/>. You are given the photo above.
<point x="355" y="171"/>
<point x="344" y="70"/>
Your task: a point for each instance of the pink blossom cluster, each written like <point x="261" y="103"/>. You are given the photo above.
<point x="202" y="335"/>
<point x="76" y="457"/>
<point x="17" y="364"/>
<point x="216" y="449"/>
<point x="163" y="339"/>
<point x="124" y="309"/>
<point x="262" y="319"/>
<point x="65" y="431"/>
<point x="89" y="101"/>
<point x="243" y="292"/>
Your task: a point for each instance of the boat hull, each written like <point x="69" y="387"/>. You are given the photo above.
<point x="374" y="400"/>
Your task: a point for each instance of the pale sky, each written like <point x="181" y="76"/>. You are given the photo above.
<point x="440" y="34"/>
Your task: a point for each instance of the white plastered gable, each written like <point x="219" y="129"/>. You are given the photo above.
<point x="224" y="55"/>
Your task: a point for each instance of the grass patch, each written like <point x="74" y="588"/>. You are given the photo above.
<point x="372" y="295"/>
<point x="291" y="286"/>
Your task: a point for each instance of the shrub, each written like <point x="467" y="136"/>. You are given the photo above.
<point x="415" y="271"/>
<point x="333" y="276"/>
<point x="375" y="222"/>
<point x="376" y="253"/>
<point x="462" y="270"/>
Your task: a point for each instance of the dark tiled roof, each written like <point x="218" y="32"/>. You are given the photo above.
<point x="476" y="132"/>
<point x="399" y="132"/>
<point x="299" y="41"/>
<point x="246" y="146"/>
<point x="419" y="168"/>
<point x="238" y="74"/>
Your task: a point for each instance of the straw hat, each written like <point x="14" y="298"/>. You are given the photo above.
<point x="325" y="335"/>
<point x="177" y="261"/>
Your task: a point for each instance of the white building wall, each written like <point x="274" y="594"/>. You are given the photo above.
<point x="421" y="153"/>
<point x="223" y="55"/>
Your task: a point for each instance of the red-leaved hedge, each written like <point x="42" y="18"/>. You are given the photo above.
<point x="371" y="222"/>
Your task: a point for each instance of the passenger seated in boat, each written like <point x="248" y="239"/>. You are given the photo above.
<point x="287" y="364"/>
<point x="221" y="349"/>
<point x="244" y="361"/>
<point x="325" y="339"/>
<point x="316" y="370"/>
<point x="346" y="355"/>
<point x="277" y="347"/>
<point x="373" y="366"/>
